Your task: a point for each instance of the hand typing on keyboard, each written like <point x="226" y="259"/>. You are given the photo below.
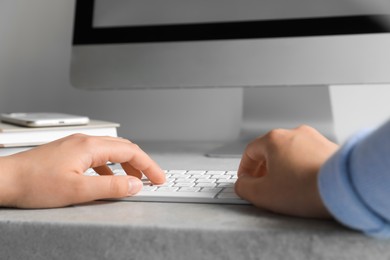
<point x="279" y="170"/>
<point x="52" y="175"/>
<point x="196" y="186"/>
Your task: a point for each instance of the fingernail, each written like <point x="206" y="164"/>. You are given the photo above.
<point x="135" y="185"/>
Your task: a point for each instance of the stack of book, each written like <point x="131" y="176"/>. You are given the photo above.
<point x="15" y="138"/>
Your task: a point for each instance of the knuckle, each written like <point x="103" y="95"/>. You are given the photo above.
<point x="86" y="141"/>
<point x="276" y="135"/>
<point x="252" y="143"/>
<point x="276" y="138"/>
<point x="305" y="128"/>
<point x="78" y="135"/>
<point x="74" y="137"/>
<point x="135" y="146"/>
<point x="125" y="140"/>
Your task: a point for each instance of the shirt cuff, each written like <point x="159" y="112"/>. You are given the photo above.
<point x="341" y="198"/>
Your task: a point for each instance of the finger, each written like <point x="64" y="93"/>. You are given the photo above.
<point x="261" y="169"/>
<point x="103" y="187"/>
<point x="130" y="170"/>
<point x="143" y="163"/>
<point x="127" y="152"/>
<point x="253" y="156"/>
<point x="246" y="187"/>
<point x="255" y="190"/>
<point x="103" y="170"/>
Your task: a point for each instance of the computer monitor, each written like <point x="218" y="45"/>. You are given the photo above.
<point x="127" y="44"/>
<point x="153" y="44"/>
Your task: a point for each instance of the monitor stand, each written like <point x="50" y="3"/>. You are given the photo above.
<point x="280" y="107"/>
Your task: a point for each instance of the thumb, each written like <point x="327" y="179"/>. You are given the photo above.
<point x="104" y="187"/>
<point x="256" y="190"/>
<point x="246" y="187"/>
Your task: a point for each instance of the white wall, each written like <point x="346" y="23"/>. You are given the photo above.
<point x="35" y="49"/>
<point x="356" y="107"/>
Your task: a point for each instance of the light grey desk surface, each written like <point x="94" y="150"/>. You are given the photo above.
<point x="142" y="230"/>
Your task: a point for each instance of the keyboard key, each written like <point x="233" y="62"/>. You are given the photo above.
<point x="184" y="184"/>
<point x="167" y="189"/>
<point x="180" y="175"/>
<point x="205" y="180"/>
<point x="216" y="172"/>
<point x="229" y="189"/>
<point x="176" y="171"/>
<point x="206" y="184"/>
<point x="196" y="172"/>
<point x="215" y="189"/>
<point x="184" y="180"/>
<point x="189" y="189"/>
<point x="149" y="188"/>
<point x="228" y="195"/>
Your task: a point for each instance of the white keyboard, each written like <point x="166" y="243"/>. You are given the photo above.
<point x="189" y="186"/>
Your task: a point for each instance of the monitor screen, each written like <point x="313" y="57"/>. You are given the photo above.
<point x="124" y="44"/>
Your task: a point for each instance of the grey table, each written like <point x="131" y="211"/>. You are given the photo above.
<point x="144" y="230"/>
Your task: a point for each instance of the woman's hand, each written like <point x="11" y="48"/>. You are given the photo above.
<point x="279" y="171"/>
<point x="51" y="175"/>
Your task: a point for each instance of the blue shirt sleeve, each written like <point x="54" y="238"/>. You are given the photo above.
<point x="355" y="182"/>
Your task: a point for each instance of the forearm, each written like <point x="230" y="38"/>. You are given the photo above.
<point x="354" y="182"/>
<point x="9" y="181"/>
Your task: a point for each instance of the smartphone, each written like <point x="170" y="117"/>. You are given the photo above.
<point x="43" y="119"/>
